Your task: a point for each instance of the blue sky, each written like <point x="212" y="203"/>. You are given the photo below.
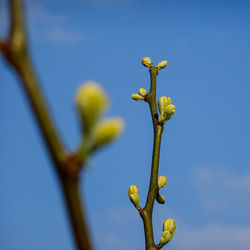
<point x="205" y="148"/>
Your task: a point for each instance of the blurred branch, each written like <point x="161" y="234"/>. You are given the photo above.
<point x="16" y="52"/>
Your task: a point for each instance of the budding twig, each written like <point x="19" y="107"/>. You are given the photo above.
<point x="166" y="111"/>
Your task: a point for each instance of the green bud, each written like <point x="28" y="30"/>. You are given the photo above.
<point x="169" y="225"/>
<point x="160" y="198"/>
<point x="133" y="190"/>
<point x="162" y="181"/>
<point x="162" y="64"/>
<point x="146" y="61"/>
<point x="91" y="101"/>
<point x="165" y="238"/>
<point x="137" y="97"/>
<point x="163" y="102"/>
<point x="142" y="92"/>
<point x="166" y="109"/>
<point x="106" y="131"/>
<point x="133" y="196"/>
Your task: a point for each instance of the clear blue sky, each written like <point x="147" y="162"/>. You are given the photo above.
<point x="205" y="149"/>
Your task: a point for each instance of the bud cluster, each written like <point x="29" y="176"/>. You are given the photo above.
<point x="166" y="109"/>
<point x="169" y="228"/>
<point x="91" y="102"/>
<point x="140" y="96"/>
<point x="146" y="61"/>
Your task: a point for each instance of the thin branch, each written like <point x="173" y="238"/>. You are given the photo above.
<point x="67" y="166"/>
<point x="147" y="211"/>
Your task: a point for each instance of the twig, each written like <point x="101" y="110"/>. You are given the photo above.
<point x="15" y="49"/>
<point x="147" y="211"/>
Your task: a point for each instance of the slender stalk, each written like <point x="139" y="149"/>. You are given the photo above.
<point x="15" y="49"/>
<point x="147" y="211"/>
<point x="76" y="212"/>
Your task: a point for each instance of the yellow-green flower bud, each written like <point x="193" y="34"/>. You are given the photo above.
<point x="163" y="102"/>
<point x="133" y="190"/>
<point x="133" y="196"/>
<point x="142" y="92"/>
<point x="137" y="97"/>
<point x="169" y="225"/>
<point x="106" y="131"/>
<point x="146" y="61"/>
<point x="162" y="64"/>
<point x="170" y="111"/>
<point x="162" y="181"/>
<point x="166" y="109"/>
<point x="165" y="238"/>
<point x="91" y="101"/>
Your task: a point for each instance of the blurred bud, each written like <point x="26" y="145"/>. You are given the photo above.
<point x="165" y="238"/>
<point x="162" y="64"/>
<point x="146" y="61"/>
<point x="162" y="181"/>
<point x="137" y="97"/>
<point x="169" y="225"/>
<point x="91" y="101"/>
<point x="142" y="92"/>
<point x="133" y="196"/>
<point x="106" y="131"/>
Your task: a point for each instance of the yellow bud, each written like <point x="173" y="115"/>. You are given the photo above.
<point x="169" y="225"/>
<point x="162" y="181"/>
<point x="166" y="111"/>
<point x="170" y="111"/>
<point x="162" y="64"/>
<point x="142" y="92"/>
<point x="137" y="97"/>
<point x="133" y="190"/>
<point x="146" y="61"/>
<point x="165" y="238"/>
<point x="106" y="131"/>
<point x="91" y="101"/>
<point x="163" y="102"/>
<point x="133" y="196"/>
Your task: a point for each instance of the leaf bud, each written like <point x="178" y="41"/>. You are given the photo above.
<point x="162" y="64"/>
<point x="107" y="130"/>
<point x="142" y="92"/>
<point x="165" y="238"/>
<point x="162" y="181"/>
<point x="133" y="196"/>
<point x="163" y="102"/>
<point x="160" y="198"/>
<point x="91" y="101"/>
<point x="137" y="97"/>
<point x="169" y="225"/>
<point x="146" y="61"/>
